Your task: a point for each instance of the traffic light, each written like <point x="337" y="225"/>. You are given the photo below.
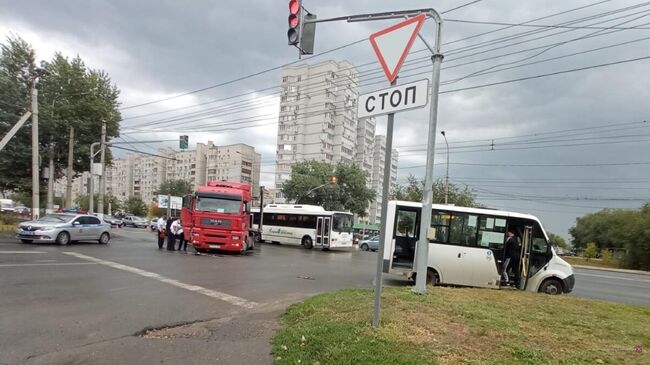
<point x="302" y="29"/>
<point x="184" y="142"/>
<point x="332" y="179"/>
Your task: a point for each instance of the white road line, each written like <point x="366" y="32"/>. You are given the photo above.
<point x="12" y="252"/>
<point x="241" y="302"/>
<point x="612" y="277"/>
<point x="50" y="264"/>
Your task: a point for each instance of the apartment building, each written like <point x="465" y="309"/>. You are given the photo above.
<point x="141" y="174"/>
<point x="377" y="176"/>
<point x="317" y="119"/>
<point x="365" y="146"/>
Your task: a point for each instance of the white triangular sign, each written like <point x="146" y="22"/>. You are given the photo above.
<point x="393" y="44"/>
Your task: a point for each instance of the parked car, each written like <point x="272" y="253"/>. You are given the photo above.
<point x="134" y="221"/>
<point x="153" y="224"/>
<point x="63" y="228"/>
<point x="370" y="244"/>
<point x="113" y="221"/>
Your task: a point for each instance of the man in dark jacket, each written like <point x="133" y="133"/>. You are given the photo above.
<point x="171" y="240"/>
<point x="513" y="251"/>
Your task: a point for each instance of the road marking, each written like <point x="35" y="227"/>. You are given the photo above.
<point x="241" y="302"/>
<point x="50" y="264"/>
<point x="612" y="277"/>
<point x="12" y="252"/>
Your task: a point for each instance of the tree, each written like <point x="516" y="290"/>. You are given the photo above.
<point x="155" y="211"/>
<point x="591" y="251"/>
<point x="178" y="187"/>
<point x="17" y="68"/>
<point x="413" y="191"/>
<point x="70" y="95"/>
<point x="82" y="202"/>
<point x="135" y="206"/>
<point x="557" y="241"/>
<point x="310" y="184"/>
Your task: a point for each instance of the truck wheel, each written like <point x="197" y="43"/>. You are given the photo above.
<point x="307" y="242"/>
<point x="250" y="245"/>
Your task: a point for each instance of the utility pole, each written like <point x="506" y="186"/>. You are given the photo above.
<point x="49" y="208"/>
<point x="102" y="180"/>
<point x="91" y="182"/>
<point x="35" y="165"/>
<point x="68" y="171"/>
<point x="447" y="174"/>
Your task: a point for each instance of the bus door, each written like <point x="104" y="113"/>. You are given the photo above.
<point x="323" y="227"/>
<point x="524" y="259"/>
<point x="405" y="233"/>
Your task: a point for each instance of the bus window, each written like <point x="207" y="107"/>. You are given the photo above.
<point x="406" y="223"/>
<point x="342" y="223"/>
<point x="439" y="231"/>
<point x="491" y="232"/>
<point x="463" y="228"/>
<point x="539" y="251"/>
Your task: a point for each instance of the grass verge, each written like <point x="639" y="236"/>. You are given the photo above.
<point x="462" y="326"/>
<point x="577" y="260"/>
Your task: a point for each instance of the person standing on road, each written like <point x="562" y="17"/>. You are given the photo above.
<point x="160" y="230"/>
<point x="177" y="228"/>
<point x="171" y="242"/>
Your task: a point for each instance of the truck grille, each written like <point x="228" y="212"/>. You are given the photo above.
<point x="215" y="222"/>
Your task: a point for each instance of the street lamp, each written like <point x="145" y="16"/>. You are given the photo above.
<point x="447" y="176"/>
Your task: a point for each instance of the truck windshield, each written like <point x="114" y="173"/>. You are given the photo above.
<point x="222" y="204"/>
<point x="342" y="223"/>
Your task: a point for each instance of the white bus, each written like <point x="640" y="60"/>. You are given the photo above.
<point x="466" y="248"/>
<point x="306" y="225"/>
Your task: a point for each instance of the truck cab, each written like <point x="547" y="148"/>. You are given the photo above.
<point x="217" y="217"/>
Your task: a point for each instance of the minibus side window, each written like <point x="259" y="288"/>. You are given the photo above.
<point x="463" y="228"/>
<point x="539" y="250"/>
<point x="439" y="231"/>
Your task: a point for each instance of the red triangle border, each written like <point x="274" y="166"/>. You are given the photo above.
<point x="392" y="75"/>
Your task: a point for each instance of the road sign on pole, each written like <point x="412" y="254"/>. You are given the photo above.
<point x="393" y="44"/>
<point x="395" y="99"/>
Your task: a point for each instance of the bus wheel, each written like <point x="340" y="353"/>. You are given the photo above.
<point x="307" y="242"/>
<point x="432" y="277"/>
<point x="258" y="239"/>
<point x="551" y="286"/>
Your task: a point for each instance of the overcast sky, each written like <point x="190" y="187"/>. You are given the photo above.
<point x="555" y="146"/>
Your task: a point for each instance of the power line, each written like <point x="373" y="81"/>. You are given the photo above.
<point x="535" y="25"/>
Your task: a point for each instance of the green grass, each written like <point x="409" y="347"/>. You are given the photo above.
<point x="461" y="326"/>
<point x="578" y="260"/>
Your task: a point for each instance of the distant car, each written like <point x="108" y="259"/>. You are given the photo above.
<point x="21" y="209"/>
<point x="113" y="221"/>
<point x="153" y="224"/>
<point x="371" y="244"/>
<point x="134" y="221"/>
<point x="63" y="228"/>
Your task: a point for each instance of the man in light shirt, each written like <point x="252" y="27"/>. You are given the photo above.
<point x="177" y="230"/>
<point x="160" y="227"/>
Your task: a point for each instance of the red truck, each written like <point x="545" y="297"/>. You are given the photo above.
<point x="217" y="217"/>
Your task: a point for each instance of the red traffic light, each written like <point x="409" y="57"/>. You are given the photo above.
<point x="294" y="7"/>
<point x="293" y="21"/>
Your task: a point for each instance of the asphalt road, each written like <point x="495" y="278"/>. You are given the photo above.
<point x="128" y="302"/>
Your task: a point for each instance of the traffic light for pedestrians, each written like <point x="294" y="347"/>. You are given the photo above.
<point x="302" y="29"/>
<point x="184" y="142"/>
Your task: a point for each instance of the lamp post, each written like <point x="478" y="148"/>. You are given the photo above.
<point x="447" y="175"/>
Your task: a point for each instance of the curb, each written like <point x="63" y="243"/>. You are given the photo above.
<point x="8" y="228"/>
<point x="639" y="272"/>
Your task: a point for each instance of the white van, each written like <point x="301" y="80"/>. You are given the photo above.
<point x="467" y="248"/>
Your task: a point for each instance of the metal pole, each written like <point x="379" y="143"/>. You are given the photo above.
<point x="169" y="206"/>
<point x="422" y="254"/>
<point x="68" y="171"/>
<point x="35" y="164"/>
<point x="91" y="183"/>
<point x="102" y="180"/>
<point x="50" y="183"/>
<point x="376" y="318"/>
<point x="447" y="174"/>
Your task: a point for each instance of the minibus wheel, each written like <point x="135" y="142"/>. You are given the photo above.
<point x="551" y="286"/>
<point x="307" y="242"/>
<point x="432" y="277"/>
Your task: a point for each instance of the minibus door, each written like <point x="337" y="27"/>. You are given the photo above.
<point x="319" y="231"/>
<point x="526" y="243"/>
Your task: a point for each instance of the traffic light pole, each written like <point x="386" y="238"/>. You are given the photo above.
<point x="422" y="254"/>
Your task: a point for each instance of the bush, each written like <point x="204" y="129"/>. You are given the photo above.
<point x="9" y="218"/>
<point x="591" y="251"/>
<point x="607" y="256"/>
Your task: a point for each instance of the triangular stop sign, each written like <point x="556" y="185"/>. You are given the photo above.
<point x="393" y="44"/>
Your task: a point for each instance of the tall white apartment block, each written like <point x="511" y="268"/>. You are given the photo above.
<point x="237" y="163"/>
<point x="317" y="116"/>
<point x="377" y="177"/>
<point x="365" y="146"/>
